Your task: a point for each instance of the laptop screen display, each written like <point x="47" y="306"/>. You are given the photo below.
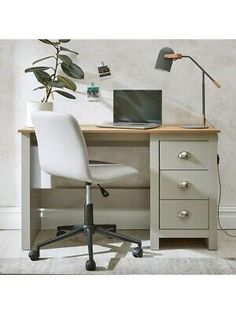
<point x="140" y="106"/>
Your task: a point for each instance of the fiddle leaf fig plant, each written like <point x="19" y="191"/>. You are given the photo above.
<point x="48" y="76"/>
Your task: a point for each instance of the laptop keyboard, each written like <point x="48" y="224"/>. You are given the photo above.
<point x="130" y="125"/>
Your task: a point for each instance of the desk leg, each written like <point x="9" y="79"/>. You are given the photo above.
<point x="213" y="194"/>
<point x="154" y="192"/>
<point x="154" y="240"/>
<point x="30" y="198"/>
<point x="212" y="241"/>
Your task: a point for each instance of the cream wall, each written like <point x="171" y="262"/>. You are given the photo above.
<point x="132" y="66"/>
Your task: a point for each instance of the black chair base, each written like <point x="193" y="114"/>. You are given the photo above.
<point x="63" y="229"/>
<point x="88" y="229"/>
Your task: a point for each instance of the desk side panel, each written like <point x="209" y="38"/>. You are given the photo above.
<point x="30" y="198"/>
<point x="154" y="191"/>
<point x="213" y="192"/>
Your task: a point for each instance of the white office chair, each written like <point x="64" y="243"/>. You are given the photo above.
<point x="63" y="152"/>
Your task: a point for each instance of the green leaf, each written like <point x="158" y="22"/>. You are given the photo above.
<point x="67" y="83"/>
<point x="66" y="49"/>
<point x="64" y="58"/>
<point x="43" y="77"/>
<point x="39" y="60"/>
<point x="33" y="69"/>
<point x="40" y="87"/>
<point x="57" y="84"/>
<point x="73" y="70"/>
<point x="64" y="40"/>
<point x="67" y="95"/>
<point x="47" y="41"/>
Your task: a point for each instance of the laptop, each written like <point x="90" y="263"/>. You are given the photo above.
<point x="136" y="109"/>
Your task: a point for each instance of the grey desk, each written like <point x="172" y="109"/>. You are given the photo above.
<point x="183" y="180"/>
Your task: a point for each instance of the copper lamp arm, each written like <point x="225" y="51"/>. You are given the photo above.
<point x="177" y="56"/>
<point x="216" y="84"/>
<point x="173" y="56"/>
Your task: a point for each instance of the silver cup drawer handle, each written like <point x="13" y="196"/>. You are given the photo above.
<point x="184" y="155"/>
<point x="183" y="214"/>
<point x="184" y="185"/>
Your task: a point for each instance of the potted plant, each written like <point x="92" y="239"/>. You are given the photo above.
<point x="50" y="81"/>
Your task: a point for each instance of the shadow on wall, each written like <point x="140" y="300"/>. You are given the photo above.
<point x="106" y="86"/>
<point x="173" y="110"/>
<point x="95" y="112"/>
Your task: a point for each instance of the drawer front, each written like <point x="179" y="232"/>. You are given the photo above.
<point x="184" y="214"/>
<point x="184" y="154"/>
<point x="184" y="184"/>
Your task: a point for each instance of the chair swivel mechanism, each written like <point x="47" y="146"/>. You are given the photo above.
<point x="63" y="152"/>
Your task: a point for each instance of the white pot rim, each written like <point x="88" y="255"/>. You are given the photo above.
<point x="42" y="102"/>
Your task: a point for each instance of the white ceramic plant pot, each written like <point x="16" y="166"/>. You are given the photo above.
<point x="33" y="106"/>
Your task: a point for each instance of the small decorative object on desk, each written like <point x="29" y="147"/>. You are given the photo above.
<point x="93" y="92"/>
<point x="49" y="79"/>
<point x="104" y="70"/>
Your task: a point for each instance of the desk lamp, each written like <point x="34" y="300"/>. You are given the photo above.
<point x="164" y="62"/>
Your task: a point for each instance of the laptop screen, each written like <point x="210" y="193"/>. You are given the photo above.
<point x="141" y="106"/>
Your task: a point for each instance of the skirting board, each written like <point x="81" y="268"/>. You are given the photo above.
<point x="10" y="217"/>
<point x="124" y="219"/>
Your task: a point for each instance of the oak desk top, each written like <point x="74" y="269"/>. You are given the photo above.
<point x="163" y="129"/>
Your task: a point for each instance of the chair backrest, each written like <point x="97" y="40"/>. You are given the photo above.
<point x="61" y="144"/>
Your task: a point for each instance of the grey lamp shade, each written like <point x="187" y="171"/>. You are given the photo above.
<point x="162" y="63"/>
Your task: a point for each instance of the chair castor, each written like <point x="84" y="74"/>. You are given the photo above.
<point x="137" y="251"/>
<point x="90" y="265"/>
<point x="34" y="255"/>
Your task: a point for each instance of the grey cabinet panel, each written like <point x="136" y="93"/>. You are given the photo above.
<point x="184" y="184"/>
<point x="184" y="192"/>
<point x="197" y="154"/>
<point x="184" y="214"/>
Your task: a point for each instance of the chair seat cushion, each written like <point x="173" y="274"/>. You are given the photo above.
<point x="108" y="172"/>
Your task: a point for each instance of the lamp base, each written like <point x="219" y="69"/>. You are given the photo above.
<point x="194" y="126"/>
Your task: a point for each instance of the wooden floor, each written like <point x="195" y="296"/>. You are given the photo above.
<point x="10" y="245"/>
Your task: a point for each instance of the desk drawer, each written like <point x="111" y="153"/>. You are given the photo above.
<point x="184" y="154"/>
<point x="187" y="184"/>
<point x="184" y="214"/>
